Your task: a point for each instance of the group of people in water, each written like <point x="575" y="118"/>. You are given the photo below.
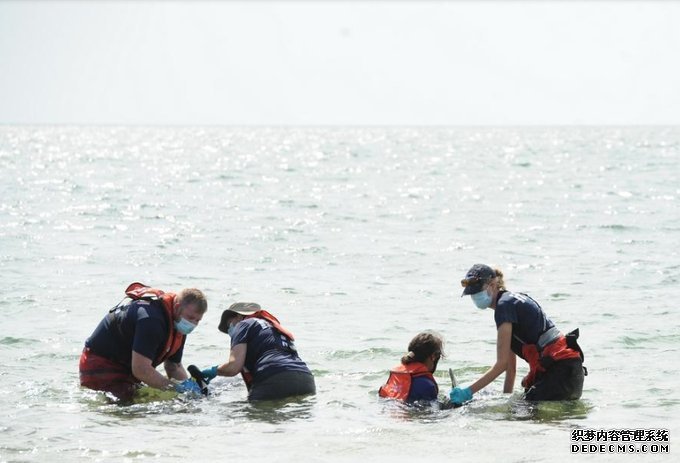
<point x="149" y="328"/>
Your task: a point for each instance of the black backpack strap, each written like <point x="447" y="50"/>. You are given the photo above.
<point x="572" y="343"/>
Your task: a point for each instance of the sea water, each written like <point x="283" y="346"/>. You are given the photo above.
<point x="356" y="238"/>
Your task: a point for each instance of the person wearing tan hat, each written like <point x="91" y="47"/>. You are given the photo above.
<point x="264" y="353"/>
<point x="555" y="360"/>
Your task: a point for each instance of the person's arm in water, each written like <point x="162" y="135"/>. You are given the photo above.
<point x="237" y="358"/>
<point x="144" y="371"/>
<point x="175" y="370"/>
<point x="503" y="353"/>
<point x="510" y="373"/>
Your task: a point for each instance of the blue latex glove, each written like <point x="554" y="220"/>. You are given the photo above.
<point x="209" y="374"/>
<point x="460" y="395"/>
<point x="188" y="385"/>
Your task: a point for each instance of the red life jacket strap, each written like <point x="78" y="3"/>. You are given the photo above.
<point x="175" y="338"/>
<point x="540" y="361"/>
<point x="264" y="315"/>
<point x="137" y="291"/>
<point x="247" y="378"/>
<point x="558" y="350"/>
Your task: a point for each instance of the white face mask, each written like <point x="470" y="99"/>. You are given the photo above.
<point x="230" y="330"/>
<point x="481" y="299"/>
<point x="184" y="326"/>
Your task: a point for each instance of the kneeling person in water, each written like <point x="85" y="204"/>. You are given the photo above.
<point x="264" y="353"/>
<point x="523" y="330"/>
<point x="412" y="380"/>
<point x="147" y="329"/>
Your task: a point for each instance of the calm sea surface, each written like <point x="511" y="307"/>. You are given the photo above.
<point x="356" y="239"/>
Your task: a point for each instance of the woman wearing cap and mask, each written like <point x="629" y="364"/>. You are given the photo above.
<point x="264" y="353"/>
<point x="412" y="380"/>
<point x="555" y="361"/>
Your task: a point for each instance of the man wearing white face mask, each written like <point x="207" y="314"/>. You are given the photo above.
<point x="555" y="360"/>
<point x="264" y="353"/>
<point x="148" y="328"/>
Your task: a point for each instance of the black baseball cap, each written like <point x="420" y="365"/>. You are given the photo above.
<point x="475" y="279"/>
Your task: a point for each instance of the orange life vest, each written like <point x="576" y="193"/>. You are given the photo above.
<point x="137" y="291"/>
<point x="398" y="384"/>
<point x="264" y="315"/>
<point x="540" y="360"/>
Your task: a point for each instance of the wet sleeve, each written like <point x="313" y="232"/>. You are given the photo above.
<point x="244" y="331"/>
<point x="506" y="311"/>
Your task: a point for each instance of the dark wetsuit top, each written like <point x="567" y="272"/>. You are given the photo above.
<point x="141" y="327"/>
<point x="527" y="318"/>
<point x="268" y="351"/>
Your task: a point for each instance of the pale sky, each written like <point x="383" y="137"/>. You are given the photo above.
<point x="340" y="63"/>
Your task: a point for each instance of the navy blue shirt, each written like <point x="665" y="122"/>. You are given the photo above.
<point x="268" y="352"/>
<point x="142" y="327"/>
<point x="422" y="388"/>
<point x="527" y="318"/>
